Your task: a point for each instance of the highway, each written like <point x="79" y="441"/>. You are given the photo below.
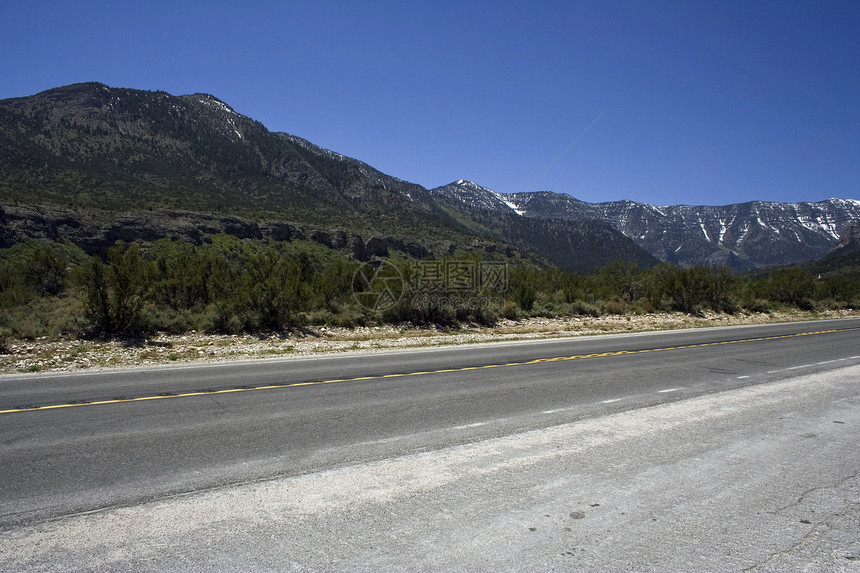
<point x="71" y="444"/>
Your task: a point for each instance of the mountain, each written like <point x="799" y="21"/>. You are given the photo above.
<point x="96" y="164"/>
<point x="88" y="145"/>
<point x="470" y="196"/>
<point x="849" y="242"/>
<point x="574" y="245"/>
<point x="743" y="236"/>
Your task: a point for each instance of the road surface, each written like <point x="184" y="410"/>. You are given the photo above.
<point x="716" y="449"/>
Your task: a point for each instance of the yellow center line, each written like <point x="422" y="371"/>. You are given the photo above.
<point x="420" y="373"/>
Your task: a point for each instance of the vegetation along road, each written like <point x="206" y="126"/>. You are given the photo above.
<point x="614" y="451"/>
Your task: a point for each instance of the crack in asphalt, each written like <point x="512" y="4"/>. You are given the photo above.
<point x="823" y="527"/>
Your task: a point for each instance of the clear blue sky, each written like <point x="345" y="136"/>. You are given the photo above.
<point x="663" y="102"/>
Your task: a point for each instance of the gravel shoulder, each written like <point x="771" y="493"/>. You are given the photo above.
<point x="69" y="355"/>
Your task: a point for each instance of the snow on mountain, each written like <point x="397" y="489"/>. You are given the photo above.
<point x="475" y="197"/>
<point x="747" y="235"/>
<point x="744" y="235"/>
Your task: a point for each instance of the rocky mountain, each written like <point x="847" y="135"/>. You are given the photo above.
<point x="849" y="241"/>
<point x="470" y="196"/>
<point x="571" y="244"/>
<point x="96" y="164"/>
<point x="743" y="236"/>
<point x="91" y="146"/>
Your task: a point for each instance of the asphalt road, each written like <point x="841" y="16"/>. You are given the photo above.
<point x="77" y="443"/>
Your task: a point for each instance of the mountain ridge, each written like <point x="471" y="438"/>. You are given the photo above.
<point x="741" y="235"/>
<point x="119" y="150"/>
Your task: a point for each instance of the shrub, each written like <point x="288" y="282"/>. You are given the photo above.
<point x="5" y="335"/>
<point x="273" y="290"/>
<point x="168" y="320"/>
<point x="582" y="308"/>
<point x="115" y="291"/>
<point x="757" y="305"/>
<point x="791" y="285"/>
<point x="224" y="318"/>
<point x="613" y="306"/>
<point x="511" y="311"/>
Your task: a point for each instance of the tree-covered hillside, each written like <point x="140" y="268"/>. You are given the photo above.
<point x="97" y="151"/>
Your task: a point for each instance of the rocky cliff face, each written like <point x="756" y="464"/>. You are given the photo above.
<point x="95" y="231"/>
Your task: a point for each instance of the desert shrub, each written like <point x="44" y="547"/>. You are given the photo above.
<point x="613" y="306"/>
<point x="791" y="285"/>
<point x="115" y="292"/>
<point x="334" y="283"/>
<point x="695" y="289"/>
<point x="224" y="318"/>
<point x="32" y="270"/>
<point x="583" y="308"/>
<point x="5" y="335"/>
<point x="756" y="305"/>
<point x="274" y="289"/>
<point x="45" y="316"/>
<point x="523" y="289"/>
<point x="511" y="311"/>
<point x="476" y="311"/>
<point x="172" y="321"/>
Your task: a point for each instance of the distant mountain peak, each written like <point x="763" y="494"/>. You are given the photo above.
<point x="476" y="196"/>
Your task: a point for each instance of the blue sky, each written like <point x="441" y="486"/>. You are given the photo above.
<point x="662" y="102"/>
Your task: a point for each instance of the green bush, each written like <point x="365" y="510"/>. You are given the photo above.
<point x="115" y="292"/>
<point x="224" y="318"/>
<point x="274" y="290"/>
<point x="5" y="335"/>
<point x="791" y="285"/>
<point x="582" y="308"/>
<point x="172" y="321"/>
<point x="756" y="305"/>
<point x="613" y="306"/>
<point x="511" y="311"/>
<point x="230" y="285"/>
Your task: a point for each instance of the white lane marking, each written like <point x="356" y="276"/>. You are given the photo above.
<point x="742" y="377"/>
<point x="381" y="441"/>
<point x="611" y="400"/>
<point x="467" y="426"/>
<point x="824" y="363"/>
<point x="669" y="390"/>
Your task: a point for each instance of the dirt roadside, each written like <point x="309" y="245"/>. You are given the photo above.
<point x="64" y="355"/>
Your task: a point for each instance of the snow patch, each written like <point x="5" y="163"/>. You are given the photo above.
<point x="217" y="104"/>
<point x="513" y="207"/>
